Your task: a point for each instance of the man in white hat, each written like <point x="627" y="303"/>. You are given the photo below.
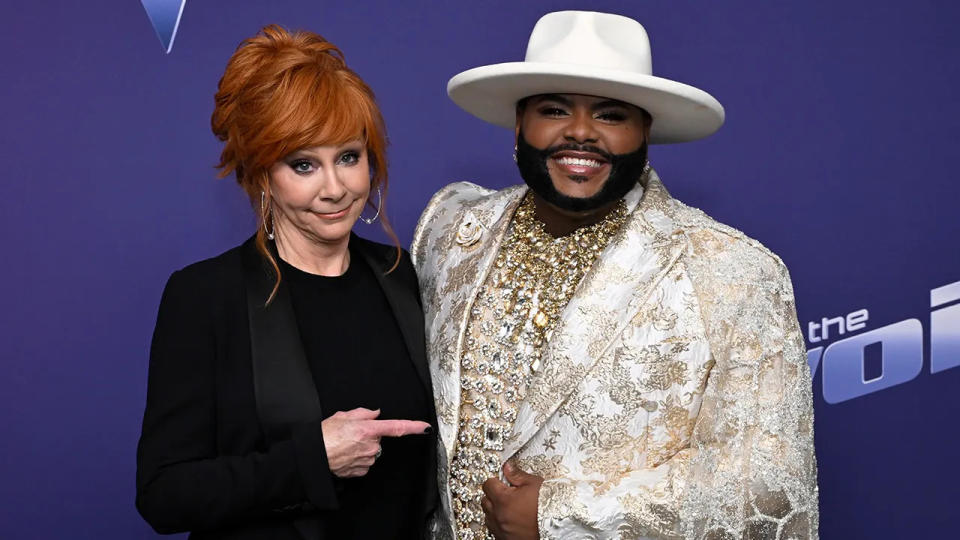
<point x="607" y="362"/>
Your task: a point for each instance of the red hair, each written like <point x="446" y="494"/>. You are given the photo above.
<point x="282" y="92"/>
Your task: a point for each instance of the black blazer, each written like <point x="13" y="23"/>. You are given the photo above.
<point x="231" y="445"/>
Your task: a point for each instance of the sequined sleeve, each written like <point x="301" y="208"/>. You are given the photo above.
<point x="749" y="470"/>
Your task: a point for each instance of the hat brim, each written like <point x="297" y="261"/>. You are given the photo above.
<point x="680" y="112"/>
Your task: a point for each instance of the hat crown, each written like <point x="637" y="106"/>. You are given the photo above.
<point x="594" y="54"/>
<point x="596" y="40"/>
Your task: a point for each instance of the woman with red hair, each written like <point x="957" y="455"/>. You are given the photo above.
<point x="288" y="392"/>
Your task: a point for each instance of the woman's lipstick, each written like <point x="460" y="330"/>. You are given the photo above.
<point x="334" y="215"/>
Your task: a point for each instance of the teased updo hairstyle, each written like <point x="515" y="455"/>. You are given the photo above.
<point x="282" y="92"/>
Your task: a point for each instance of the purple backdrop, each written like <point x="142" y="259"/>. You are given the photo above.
<point x="842" y="121"/>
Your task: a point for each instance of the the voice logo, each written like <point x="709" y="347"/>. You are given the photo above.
<point x="883" y="357"/>
<point x="165" y="17"/>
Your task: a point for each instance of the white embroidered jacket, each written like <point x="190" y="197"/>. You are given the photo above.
<point x="674" y="399"/>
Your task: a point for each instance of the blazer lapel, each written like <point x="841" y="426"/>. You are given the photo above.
<point x="479" y="232"/>
<point x="611" y="293"/>
<point x="282" y="382"/>
<point x="404" y="303"/>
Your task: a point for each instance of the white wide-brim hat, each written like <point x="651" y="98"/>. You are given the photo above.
<point x="597" y="54"/>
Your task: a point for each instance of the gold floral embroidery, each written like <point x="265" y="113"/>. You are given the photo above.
<point x="532" y="279"/>
<point x="690" y="296"/>
<point x="544" y="466"/>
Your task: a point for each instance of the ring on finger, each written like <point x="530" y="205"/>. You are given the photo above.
<point x="379" y="452"/>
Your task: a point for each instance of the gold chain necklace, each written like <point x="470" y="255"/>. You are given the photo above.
<point x="538" y="273"/>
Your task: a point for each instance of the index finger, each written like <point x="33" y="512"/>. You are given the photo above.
<point x="398" y="428"/>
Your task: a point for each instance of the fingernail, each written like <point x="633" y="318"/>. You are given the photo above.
<point x="428" y="430"/>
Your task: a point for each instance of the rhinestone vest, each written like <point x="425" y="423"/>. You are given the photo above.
<point x="533" y="278"/>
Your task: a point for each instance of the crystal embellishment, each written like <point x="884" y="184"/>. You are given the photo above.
<point x="493" y="437"/>
<point x="534" y="275"/>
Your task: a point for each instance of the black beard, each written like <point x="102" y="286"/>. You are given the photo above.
<point x="625" y="171"/>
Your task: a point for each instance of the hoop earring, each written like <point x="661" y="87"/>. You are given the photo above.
<point x="263" y="215"/>
<point x="369" y="221"/>
<point x="515" y="153"/>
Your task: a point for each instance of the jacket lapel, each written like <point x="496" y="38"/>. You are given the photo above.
<point x="283" y="384"/>
<point x="479" y="234"/>
<point x="404" y="303"/>
<point x="612" y="292"/>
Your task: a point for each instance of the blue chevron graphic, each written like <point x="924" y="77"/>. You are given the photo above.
<point x="165" y="17"/>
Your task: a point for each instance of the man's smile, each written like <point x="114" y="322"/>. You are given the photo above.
<point x="574" y="163"/>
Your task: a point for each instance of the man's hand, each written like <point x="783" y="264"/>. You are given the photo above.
<point x="511" y="510"/>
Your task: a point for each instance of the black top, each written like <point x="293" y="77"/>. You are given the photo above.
<point x="358" y="359"/>
<point x="231" y="445"/>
